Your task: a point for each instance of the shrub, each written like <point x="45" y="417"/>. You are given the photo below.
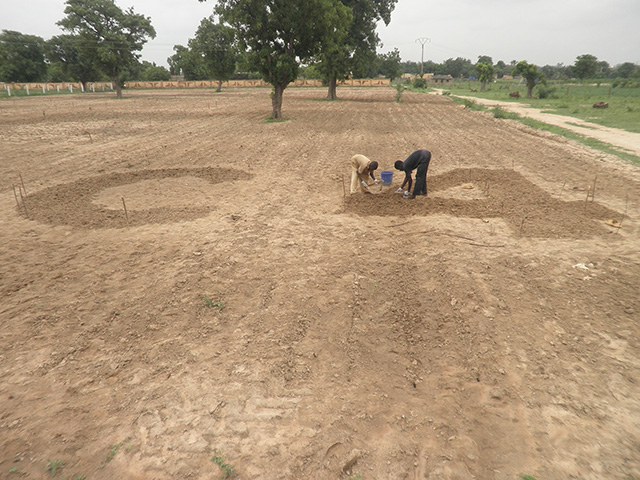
<point x="399" y="91"/>
<point x="547" y="92"/>
<point x="419" y="82"/>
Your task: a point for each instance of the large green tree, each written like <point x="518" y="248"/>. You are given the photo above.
<point x="586" y="66"/>
<point x="458" y="67"/>
<point x="74" y="59"/>
<point x="150" y="72"/>
<point x="216" y="44"/>
<point x="115" y="35"/>
<point x="22" y="57"/>
<point x="334" y="60"/>
<point x="626" y="70"/>
<point x="530" y="73"/>
<point x="353" y="51"/>
<point x="485" y="74"/>
<point x="188" y="63"/>
<point x="390" y="64"/>
<point x="279" y="35"/>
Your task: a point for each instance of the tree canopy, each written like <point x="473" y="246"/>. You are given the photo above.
<point x="485" y="74"/>
<point x="22" y="57"/>
<point x="351" y="46"/>
<point x="75" y="61"/>
<point x="279" y="35"/>
<point x="216" y="44"/>
<point x="585" y="66"/>
<point x="530" y="73"/>
<point x="390" y="64"/>
<point x="115" y="36"/>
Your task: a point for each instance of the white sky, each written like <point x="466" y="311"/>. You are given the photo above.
<point x="543" y="32"/>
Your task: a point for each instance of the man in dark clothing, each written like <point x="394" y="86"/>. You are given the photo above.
<point x="418" y="161"/>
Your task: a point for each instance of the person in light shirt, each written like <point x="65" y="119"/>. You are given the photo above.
<point x="361" y="171"/>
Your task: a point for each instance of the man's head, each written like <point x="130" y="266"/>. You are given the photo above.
<point x="373" y="166"/>
<point x="399" y="165"/>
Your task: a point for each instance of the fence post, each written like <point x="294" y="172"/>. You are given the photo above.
<point x="27" y="88"/>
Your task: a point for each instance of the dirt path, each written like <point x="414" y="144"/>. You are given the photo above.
<point x="628" y="141"/>
<point x="246" y="310"/>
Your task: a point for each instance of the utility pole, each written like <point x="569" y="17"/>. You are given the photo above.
<point x="422" y="41"/>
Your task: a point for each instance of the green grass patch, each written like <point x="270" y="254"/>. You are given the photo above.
<point x="54" y="466"/>
<point x="469" y="104"/>
<point x="211" y="303"/>
<point x="577" y="99"/>
<point x="113" y="451"/>
<point x="279" y="120"/>
<point x="589" y="142"/>
<point x="501" y="113"/>
<point x="227" y="470"/>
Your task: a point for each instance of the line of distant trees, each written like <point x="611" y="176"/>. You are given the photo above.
<point x="29" y="58"/>
<point x="585" y="67"/>
<point x="63" y="58"/>
<point x="331" y="40"/>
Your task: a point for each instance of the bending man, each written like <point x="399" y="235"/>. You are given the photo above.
<point x="361" y="169"/>
<point x="419" y="161"/>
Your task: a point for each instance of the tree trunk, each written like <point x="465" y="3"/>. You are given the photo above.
<point x="118" y="84"/>
<point x="219" y="89"/>
<point x="530" y="90"/>
<point x="333" y="87"/>
<point x="276" y="101"/>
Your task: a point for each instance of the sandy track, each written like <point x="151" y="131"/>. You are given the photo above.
<point x="299" y="334"/>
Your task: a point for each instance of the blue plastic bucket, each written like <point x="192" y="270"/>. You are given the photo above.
<point x="387" y="177"/>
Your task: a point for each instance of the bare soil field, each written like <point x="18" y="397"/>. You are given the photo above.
<point x="243" y="309"/>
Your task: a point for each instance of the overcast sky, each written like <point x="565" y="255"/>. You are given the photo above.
<point x="543" y="32"/>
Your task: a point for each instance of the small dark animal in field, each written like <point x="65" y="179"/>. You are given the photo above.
<point x="514" y="94"/>
<point x="601" y="105"/>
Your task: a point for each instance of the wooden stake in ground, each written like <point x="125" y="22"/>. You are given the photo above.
<point x="15" y="195"/>
<point x="522" y="223"/>
<point x="626" y="204"/>
<point x="126" y="215"/>
<point x="22" y="183"/>
<point x="562" y="189"/>
<point x="591" y="191"/>
<point x="24" y="204"/>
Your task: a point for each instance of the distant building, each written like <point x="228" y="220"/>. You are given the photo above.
<point x="442" y="79"/>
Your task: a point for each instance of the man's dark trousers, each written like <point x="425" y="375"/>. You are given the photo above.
<point x="421" y="174"/>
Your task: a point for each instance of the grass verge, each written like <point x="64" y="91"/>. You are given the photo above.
<point x="563" y="132"/>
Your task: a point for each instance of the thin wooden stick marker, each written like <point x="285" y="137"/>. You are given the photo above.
<point x="126" y="214"/>
<point x="22" y="183"/>
<point x="15" y="195"/>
